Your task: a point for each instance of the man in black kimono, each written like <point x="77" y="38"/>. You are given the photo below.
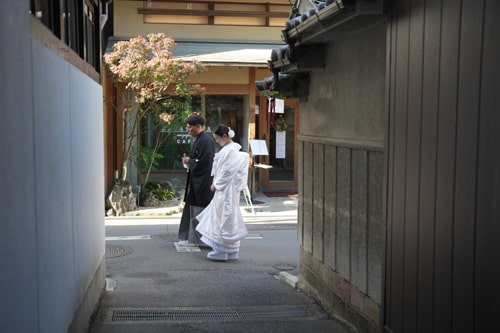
<point x="199" y="178"/>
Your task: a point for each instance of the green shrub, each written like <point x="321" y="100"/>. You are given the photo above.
<point x="160" y="190"/>
<point x="162" y="193"/>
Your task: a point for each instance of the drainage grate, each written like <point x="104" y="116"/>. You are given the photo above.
<point x="201" y="314"/>
<point x="278" y="312"/>
<point x="117" y="251"/>
<point x="174" y="315"/>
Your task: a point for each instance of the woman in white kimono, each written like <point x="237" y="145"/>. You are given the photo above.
<point x="220" y="223"/>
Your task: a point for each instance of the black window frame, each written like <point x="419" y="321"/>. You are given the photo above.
<point x="74" y="22"/>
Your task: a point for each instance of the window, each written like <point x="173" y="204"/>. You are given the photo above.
<point x="75" y="22"/>
<point x="216" y="109"/>
<point x="89" y="34"/>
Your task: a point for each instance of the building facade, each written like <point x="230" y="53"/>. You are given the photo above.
<point x="234" y="40"/>
<point x="398" y="165"/>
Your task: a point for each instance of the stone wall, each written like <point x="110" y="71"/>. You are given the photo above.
<point x="341" y="174"/>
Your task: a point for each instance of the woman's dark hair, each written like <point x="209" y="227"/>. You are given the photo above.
<point x="223" y="129"/>
<point x="195" y="119"/>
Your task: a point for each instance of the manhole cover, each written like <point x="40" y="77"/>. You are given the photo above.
<point x="113" y="251"/>
<point x="285" y="267"/>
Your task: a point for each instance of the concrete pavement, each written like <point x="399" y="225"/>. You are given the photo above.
<point x="154" y="288"/>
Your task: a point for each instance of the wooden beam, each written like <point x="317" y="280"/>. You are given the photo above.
<point x="196" y="12"/>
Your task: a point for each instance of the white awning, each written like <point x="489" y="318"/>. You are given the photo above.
<point x="241" y="58"/>
<point x="220" y="53"/>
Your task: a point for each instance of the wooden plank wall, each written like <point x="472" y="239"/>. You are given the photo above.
<point x="340" y="212"/>
<point x="443" y="199"/>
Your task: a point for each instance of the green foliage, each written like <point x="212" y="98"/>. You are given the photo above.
<point x="174" y="151"/>
<point x="161" y="193"/>
<point x="281" y="124"/>
<point x="172" y="112"/>
<point x="169" y="133"/>
<point x="146" y="158"/>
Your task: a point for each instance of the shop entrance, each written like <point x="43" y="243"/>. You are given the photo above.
<point x="279" y="126"/>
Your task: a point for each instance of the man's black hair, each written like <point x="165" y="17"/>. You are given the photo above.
<point x="195" y="119"/>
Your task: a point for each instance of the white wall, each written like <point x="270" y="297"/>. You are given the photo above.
<point x="18" y="281"/>
<point x="51" y="176"/>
